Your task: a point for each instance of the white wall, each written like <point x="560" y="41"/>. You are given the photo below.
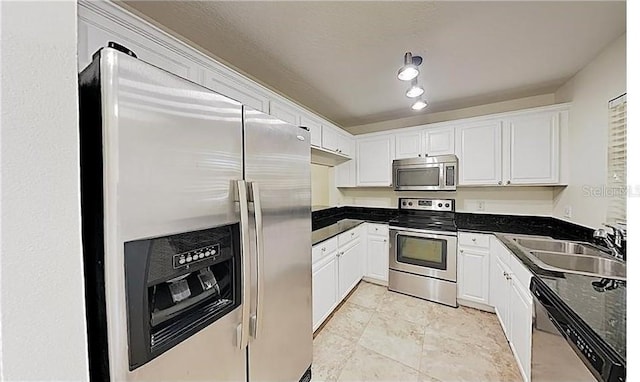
<point x="41" y="288"/>
<point x="319" y="185"/>
<point x="589" y="91"/>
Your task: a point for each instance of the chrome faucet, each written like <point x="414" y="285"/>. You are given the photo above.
<point x="619" y="234"/>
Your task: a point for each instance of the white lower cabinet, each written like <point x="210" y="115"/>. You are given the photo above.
<point x="473" y="270"/>
<point x="338" y="266"/>
<point x="325" y="288"/>
<point x="349" y="268"/>
<point x="520" y="319"/>
<point x="513" y="303"/>
<point x="377" y="253"/>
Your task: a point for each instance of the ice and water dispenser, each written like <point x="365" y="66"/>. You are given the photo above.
<point x="177" y="285"/>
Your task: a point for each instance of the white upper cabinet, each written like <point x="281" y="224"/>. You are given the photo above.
<point x="346" y="145"/>
<point x="284" y="112"/>
<point x="374" y="156"/>
<point x="232" y="89"/>
<point x="532" y="149"/>
<point x="345" y="174"/>
<point x="409" y="145"/>
<point x="479" y="150"/>
<point x="330" y="138"/>
<point x="439" y="141"/>
<point x="315" y="129"/>
<point x="427" y="142"/>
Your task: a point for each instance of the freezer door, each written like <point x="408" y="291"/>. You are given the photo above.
<point x="172" y="153"/>
<point x="277" y="171"/>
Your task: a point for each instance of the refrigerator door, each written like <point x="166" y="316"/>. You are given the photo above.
<point x="277" y="171"/>
<point x="172" y="153"/>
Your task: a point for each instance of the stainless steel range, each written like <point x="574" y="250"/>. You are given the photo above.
<point x="422" y="254"/>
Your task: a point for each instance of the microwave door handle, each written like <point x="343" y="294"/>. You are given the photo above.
<point x="442" y="176"/>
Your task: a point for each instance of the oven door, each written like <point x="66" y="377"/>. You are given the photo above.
<point x="418" y="177"/>
<point x="424" y="253"/>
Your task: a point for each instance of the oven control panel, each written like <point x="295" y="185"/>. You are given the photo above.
<point x="427" y="204"/>
<point x="196" y="255"/>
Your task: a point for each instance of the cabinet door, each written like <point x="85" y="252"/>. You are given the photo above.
<point x="345" y="174"/>
<point x="330" y="138"/>
<point x="533" y="144"/>
<point x="500" y="286"/>
<point x="284" y="112"/>
<point x="94" y="34"/>
<point x="479" y="149"/>
<point x="347" y="145"/>
<point x="374" y="161"/>
<point x="378" y="257"/>
<point x="473" y="275"/>
<point x="439" y="141"/>
<point x="409" y="145"/>
<point x="521" y="311"/>
<point x="231" y="88"/>
<point x="349" y="268"/>
<point x="325" y="289"/>
<point x="315" y="129"/>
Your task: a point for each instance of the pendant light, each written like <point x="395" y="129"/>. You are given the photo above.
<point x="410" y="69"/>
<point x="415" y="90"/>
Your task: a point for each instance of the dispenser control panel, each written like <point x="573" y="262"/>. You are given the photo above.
<point x="201" y="254"/>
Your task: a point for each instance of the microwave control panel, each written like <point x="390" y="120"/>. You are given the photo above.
<point x="201" y="254"/>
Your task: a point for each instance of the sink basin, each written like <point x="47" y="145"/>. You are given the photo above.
<point x="586" y="265"/>
<point x="550" y="245"/>
<point x="571" y="257"/>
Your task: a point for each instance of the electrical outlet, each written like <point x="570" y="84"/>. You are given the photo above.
<point x="480" y="205"/>
<point x="567" y="211"/>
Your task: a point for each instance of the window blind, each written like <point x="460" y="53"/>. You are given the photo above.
<point x="617" y="161"/>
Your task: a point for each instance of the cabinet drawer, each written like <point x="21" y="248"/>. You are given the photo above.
<point x="378" y="229"/>
<point x="324" y="248"/>
<point x="473" y="239"/>
<point x="501" y="251"/>
<point x="521" y="273"/>
<point x="347" y="237"/>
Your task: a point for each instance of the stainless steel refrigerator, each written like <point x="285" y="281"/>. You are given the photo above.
<point x="196" y="228"/>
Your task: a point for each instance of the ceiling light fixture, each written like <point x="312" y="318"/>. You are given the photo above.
<point x="415" y="90"/>
<point x="410" y="69"/>
<point x="419" y="104"/>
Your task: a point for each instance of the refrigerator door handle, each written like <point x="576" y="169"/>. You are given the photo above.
<point x="256" y="319"/>
<point x="243" y="329"/>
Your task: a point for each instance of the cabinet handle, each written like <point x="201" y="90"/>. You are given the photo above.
<point x="376" y="229"/>
<point x="385" y="240"/>
<point x="419" y="155"/>
<point x="473" y="239"/>
<point x="353" y="233"/>
<point x="324" y="249"/>
<point x="508" y="182"/>
<point x="462" y="251"/>
<point x="504" y="274"/>
<point x="508" y="277"/>
<point x="500" y="183"/>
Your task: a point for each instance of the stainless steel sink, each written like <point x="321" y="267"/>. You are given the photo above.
<point x="551" y="245"/>
<point x="571" y="257"/>
<point x="588" y="265"/>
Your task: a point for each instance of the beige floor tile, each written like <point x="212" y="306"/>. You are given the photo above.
<point x="368" y="295"/>
<point x="349" y="321"/>
<point x="405" y="307"/>
<point x="367" y="365"/>
<point x="330" y="354"/>
<point x="448" y="359"/>
<point x="395" y="338"/>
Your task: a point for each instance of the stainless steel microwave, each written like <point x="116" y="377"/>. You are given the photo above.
<point x="436" y="173"/>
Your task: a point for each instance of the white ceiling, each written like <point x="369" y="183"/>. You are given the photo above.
<point x="341" y="58"/>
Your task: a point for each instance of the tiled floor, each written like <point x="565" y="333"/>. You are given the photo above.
<point x="377" y="335"/>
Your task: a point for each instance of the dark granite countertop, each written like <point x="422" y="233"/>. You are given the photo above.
<point x="332" y="230"/>
<point x="605" y="312"/>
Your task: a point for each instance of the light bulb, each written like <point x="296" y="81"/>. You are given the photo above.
<point x="408" y="72"/>
<point x="419" y="104"/>
<point x="415" y="90"/>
